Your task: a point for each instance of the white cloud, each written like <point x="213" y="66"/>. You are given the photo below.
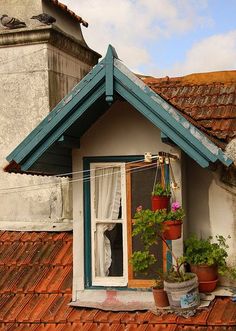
<point x="132" y="25"/>
<point x="214" y="53"/>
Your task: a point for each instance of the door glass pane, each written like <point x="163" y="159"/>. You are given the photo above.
<point x="141" y="188"/>
<point x="107" y="202"/>
<point x="108" y="250"/>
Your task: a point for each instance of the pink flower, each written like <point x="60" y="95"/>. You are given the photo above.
<point x="175" y="206"/>
<point x="139" y="208"/>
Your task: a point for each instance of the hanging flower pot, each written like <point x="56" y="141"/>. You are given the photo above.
<point x="160" y="197"/>
<point x="160" y="202"/>
<point x="172" y="230"/>
<point x="172" y="223"/>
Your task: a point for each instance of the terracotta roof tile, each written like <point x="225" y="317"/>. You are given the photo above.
<point x="69" y="12"/>
<point x="208" y="96"/>
<point x="35" y="292"/>
<point x="223" y="313"/>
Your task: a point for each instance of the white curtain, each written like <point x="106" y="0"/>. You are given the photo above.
<point x="107" y="205"/>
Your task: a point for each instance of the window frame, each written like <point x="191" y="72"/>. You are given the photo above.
<point x="87" y="213"/>
<point x="118" y="280"/>
<point x="131" y="284"/>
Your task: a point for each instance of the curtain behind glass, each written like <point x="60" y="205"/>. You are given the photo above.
<point x="107" y="206"/>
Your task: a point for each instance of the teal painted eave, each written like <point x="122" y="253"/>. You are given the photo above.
<point x="107" y="79"/>
<point x="61" y="117"/>
<point x="167" y="118"/>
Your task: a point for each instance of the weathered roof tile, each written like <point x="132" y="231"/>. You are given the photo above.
<point x="35" y="292"/>
<point x="207" y="96"/>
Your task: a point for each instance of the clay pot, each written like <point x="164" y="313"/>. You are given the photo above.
<point x="160" y="297"/>
<point x="160" y="202"/>
<point x="207" y="286"/>
<point x="172" y="229"/>
<point x="207" y="276"/>
<point x="205" y="272"/>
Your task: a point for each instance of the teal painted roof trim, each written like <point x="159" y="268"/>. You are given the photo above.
<point x="109" y="76"/>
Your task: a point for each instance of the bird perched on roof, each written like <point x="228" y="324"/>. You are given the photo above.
<point x="11" y="22"/>
<point x="44" y="18"/>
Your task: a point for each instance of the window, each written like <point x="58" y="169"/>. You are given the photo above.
<point x="108" y="224"/>
<point x="116" y="189"/>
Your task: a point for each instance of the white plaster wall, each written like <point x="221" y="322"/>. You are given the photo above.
<point x="120" y="131"/>
<point x="24" y="96"/>
<point x="23" y="93"/>
<point x="211" y="206"/>
<point x="25" y="9"/>
<point x="65" y="71"/>
<point x="65" y="22"/>
<point x="21" y="9"/>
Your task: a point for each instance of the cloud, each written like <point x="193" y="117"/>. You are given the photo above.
<point x="214" y="53"/>
<point x="132" y="26"/>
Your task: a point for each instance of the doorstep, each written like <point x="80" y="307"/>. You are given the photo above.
<point x="115" y="300"/>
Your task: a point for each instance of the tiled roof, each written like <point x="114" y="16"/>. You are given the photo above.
<point x="70" y="12"/>
<point x="208" y="100"/>
<point x="35" y="289"/>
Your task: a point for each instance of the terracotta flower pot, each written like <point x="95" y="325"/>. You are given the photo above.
<point x="160" y="297"/>
<point x="172" y="229"/>
<point x="160" y="202"/>
<point x="207" y="286"/>
<point x="205" y="272"/>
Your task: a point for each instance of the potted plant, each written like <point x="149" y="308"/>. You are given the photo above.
<point x="172" y="223"/>
<point x="181" y="287"/>
<point x="207" y="258"/>
<point x="159" y="294"/>
<point x="160" y="197"/>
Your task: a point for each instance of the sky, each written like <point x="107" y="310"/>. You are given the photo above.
<point x="162" y="37"/>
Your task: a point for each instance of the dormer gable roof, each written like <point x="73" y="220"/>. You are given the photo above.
<point x="88" y="100"/>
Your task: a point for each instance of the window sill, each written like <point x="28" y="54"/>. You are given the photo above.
<point x="115" y="300"/>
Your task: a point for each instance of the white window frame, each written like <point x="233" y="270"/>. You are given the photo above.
<point x="109" y="281"/>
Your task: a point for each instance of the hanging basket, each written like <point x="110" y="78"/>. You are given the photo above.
<point x="160" y="202"/>
<point x="172" y="230"/>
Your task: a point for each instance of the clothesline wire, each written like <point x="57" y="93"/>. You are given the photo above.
<point x="49" y="185"/>
<point x="35" y="187"/>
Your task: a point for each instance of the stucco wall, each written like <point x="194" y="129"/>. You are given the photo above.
<point x="25" y="9"/>
<point x="120" y="131"/>
<point x="24" y="96"/>
<point x="34" y="77"/>
<point x="211" y="205"/>
<point x="65" y="71"/>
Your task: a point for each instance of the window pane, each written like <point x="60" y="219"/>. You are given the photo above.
<point x="108" y="250"/>
<point x="108" y="193"/>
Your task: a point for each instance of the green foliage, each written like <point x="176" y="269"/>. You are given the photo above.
<point x="175" y="276"/>
<point x="147" y="224"/>
<point x="141" y="261"/>
<point x="177" y="214"/>
<point x="160" y="191"/>
<point x="205" y="251"/>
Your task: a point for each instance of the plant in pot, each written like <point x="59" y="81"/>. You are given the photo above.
<point x="146" y="225"/>
<point x="181" y="287"/>
<point x="160" y="196"/>
<point x="172" y="224"/>
<point x="207" y="258"/>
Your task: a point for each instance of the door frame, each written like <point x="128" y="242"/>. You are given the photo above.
<point x="87" y="209"/>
